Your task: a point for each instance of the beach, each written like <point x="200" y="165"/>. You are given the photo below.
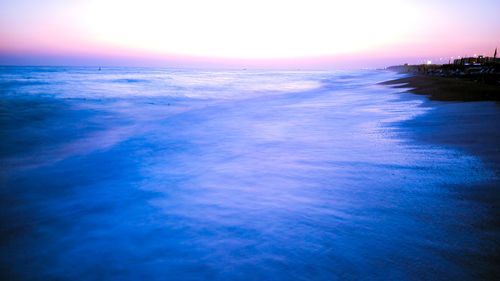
<point x="460" y="124"/>
<point x="472" y="128"/>
<point x="447" y="88"/>
<point x="145" y="173"/>
<point x="465" y="117"/>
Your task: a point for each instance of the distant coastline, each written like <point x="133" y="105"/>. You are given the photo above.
<point x="450" y="82"/>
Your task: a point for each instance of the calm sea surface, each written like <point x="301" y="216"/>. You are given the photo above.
<point x="157" y="174"/>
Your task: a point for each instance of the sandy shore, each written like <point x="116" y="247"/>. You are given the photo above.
<point x="447" y="89"/>
<point x="469" y="127"/>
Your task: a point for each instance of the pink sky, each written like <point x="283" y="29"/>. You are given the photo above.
<point x="313" y="34"/>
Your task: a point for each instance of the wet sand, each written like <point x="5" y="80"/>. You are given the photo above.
<point x="447" y="89"/>
<point x="472" y="128"/>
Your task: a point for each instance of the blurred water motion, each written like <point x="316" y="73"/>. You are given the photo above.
<point x="154" y="174"/>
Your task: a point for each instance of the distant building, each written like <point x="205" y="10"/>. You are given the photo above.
<point x="479" y="60"/>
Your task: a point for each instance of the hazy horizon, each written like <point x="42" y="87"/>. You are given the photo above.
<point x="239" y="34"/>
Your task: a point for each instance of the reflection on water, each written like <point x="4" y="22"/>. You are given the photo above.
<point x="154" y="174"/>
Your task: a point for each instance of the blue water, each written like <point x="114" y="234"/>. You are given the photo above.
<point x="158" y="174"/>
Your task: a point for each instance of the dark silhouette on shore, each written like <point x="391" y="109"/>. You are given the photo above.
<point x="466" y="79"/>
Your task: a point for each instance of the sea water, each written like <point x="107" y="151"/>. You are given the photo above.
<point x="172" y="174"/>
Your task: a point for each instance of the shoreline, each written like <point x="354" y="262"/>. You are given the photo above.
<point x="465" y="115"/>
<point x="446" y="88"/>
<point x="465" y="119"/>
<point x="470" y="128"/>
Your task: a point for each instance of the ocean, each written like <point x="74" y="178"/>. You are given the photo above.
<point x="175" y="174"/>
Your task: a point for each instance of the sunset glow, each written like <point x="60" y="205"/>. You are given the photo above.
<point x="246" y="31"/>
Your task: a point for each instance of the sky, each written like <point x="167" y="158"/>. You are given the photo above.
<point x="232" y="33"/>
